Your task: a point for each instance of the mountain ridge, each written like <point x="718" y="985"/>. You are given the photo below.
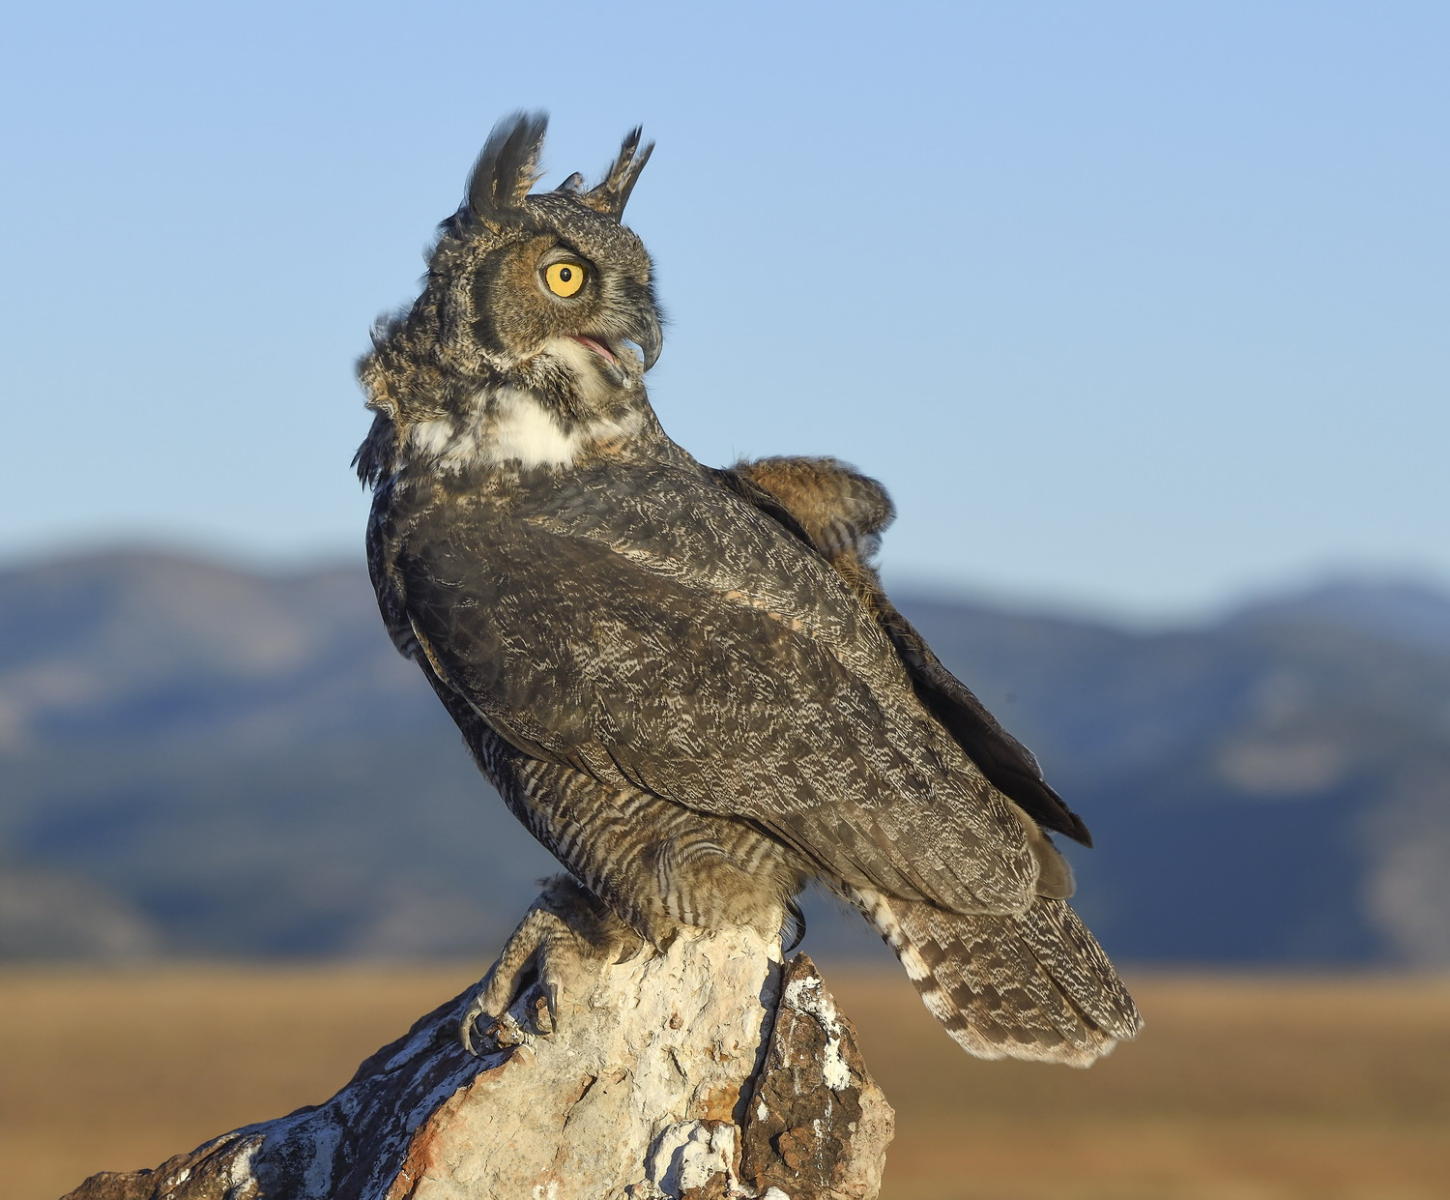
<point x="204" y="758"/>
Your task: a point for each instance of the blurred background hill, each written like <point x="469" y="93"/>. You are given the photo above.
<point x="201" y="759"/>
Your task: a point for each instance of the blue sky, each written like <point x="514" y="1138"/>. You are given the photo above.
<point x="1135" y="306"/>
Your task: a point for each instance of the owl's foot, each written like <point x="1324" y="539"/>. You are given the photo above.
<point x="566" y="937"/>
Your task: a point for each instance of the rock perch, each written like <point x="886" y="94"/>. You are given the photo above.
<point x="709" y="1071"/>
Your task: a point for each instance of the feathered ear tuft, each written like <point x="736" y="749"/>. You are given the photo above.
<point x="508" y="166"/>
<point x="612" y="194"/>
<point x="573" y="185"/>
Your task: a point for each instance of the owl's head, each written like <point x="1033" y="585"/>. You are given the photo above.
<point x="546" y="291"/>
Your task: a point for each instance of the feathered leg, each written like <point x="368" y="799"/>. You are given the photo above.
<point x="642" y="871"/>
<point x="564" y="937"/>
<point x="658" y="867"/>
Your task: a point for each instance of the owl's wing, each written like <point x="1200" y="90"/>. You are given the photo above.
<point x="1011" y="766"/>
<point x="677" y="640"/>
<point x="842" y="513"/>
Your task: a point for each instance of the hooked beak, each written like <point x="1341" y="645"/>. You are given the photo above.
<point x="642" y="330"/>
<point x="649" y="337"/>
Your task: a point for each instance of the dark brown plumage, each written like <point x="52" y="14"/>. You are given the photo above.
<point x="688" y="684"/>
<point x="844" y="513"/>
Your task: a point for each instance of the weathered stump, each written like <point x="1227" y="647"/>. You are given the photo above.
<point x="705" y="1072"/>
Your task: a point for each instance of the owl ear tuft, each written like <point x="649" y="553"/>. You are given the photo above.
<point x="573" y="185"/>
<point x="508" y="165"/>
<point x="611" y="194"/>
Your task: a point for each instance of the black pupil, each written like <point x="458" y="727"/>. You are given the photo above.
<point x="565" y="274"/>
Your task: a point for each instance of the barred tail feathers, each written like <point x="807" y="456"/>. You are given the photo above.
<point x="1036" y="986"/>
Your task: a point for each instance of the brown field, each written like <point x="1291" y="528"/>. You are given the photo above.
<point x="1240" y="1089"/>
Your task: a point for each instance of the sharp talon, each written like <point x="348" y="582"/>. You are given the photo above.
<point x="630" y="952"/>
<point x="468" y="1026"/>
<point x="566" y="935"/>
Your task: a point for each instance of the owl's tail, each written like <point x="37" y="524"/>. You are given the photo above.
<point x="1036" y="986"/>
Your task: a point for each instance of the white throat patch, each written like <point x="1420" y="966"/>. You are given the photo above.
<point x="525" y="431"/>
<point x="511" y="426"/>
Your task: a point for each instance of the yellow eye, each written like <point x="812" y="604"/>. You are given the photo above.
<point x="565" y="278"/>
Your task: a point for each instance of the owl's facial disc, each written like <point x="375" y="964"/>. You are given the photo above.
<point x="613" y="315"/>
<point x="575" y="290"/>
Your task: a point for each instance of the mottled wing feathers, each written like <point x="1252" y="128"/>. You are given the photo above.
<point x="842" y="513"/>
<point x="741" y="482"/>
<point x="1002" y="758"/>
<point x="679" y="642"/>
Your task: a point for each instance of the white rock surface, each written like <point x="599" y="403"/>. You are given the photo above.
<point x="681" y="1076"/>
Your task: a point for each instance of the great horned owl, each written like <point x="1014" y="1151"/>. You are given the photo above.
<point x="688" y="683"/>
